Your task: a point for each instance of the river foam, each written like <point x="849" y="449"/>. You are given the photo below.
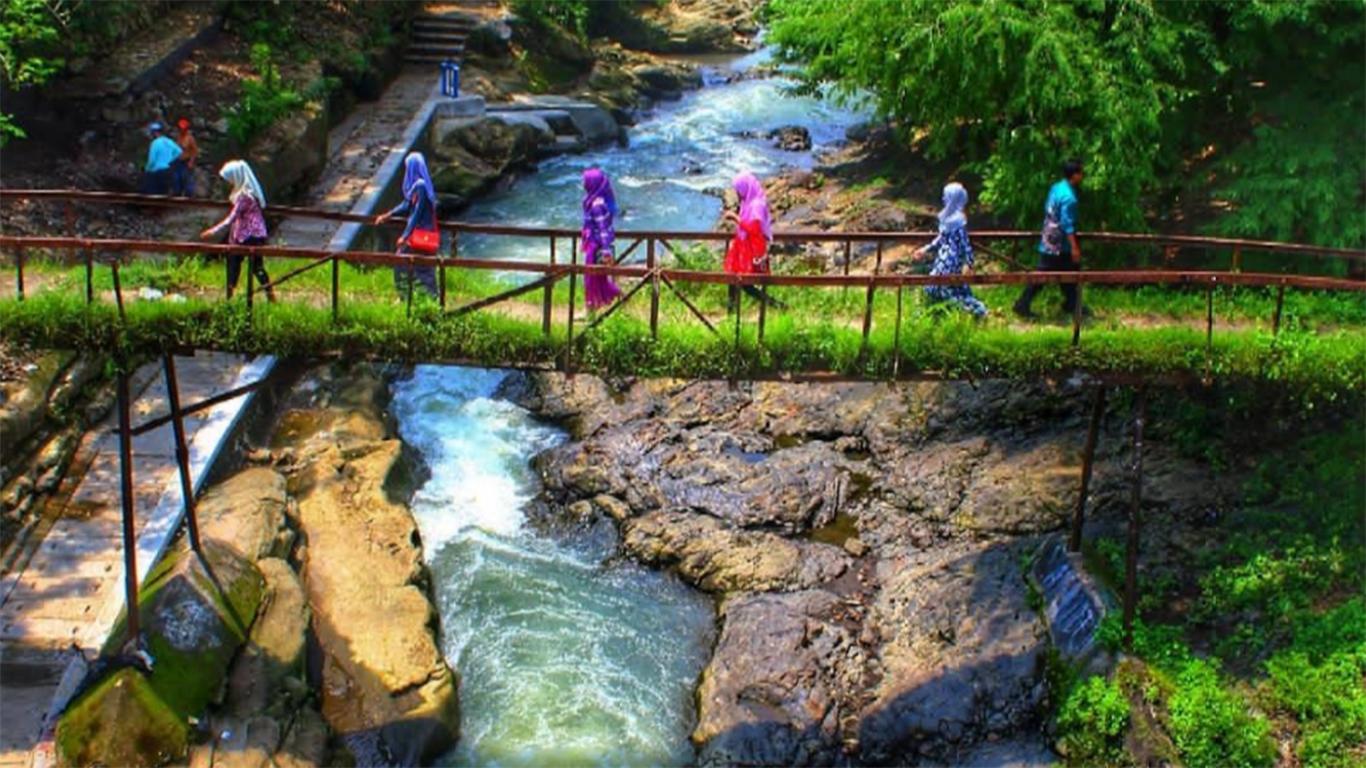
<point x="564" y="659"/>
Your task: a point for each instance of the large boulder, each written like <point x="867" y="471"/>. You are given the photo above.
<point x="470" y="155"/>
<point x="963" y="654"/>
<point x="274" y="653"/>
<point x="121" y="721"/>
<point x="247" y="513"/>
<point x="382" y="672"/>
<point x="24" y="403"/>
<point x="195" y="613"/>
<point x="772" y="692"/>
<point x="719" y="558"/>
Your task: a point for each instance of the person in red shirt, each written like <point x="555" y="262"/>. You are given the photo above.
<point x="748" y="251"/>
<point x="182" y="170"/>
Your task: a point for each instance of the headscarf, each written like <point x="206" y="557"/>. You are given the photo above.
<point x="414" y="174"/>
<point x="239" y="175"/>
<point x="595" y="185"/>
<point x="753" y="202"/>
<point x="955" y="200"/>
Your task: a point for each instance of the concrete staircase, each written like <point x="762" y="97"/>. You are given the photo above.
<point x="437" y="37"/>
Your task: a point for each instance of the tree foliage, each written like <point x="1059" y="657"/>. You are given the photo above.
<point x="1260" y="102"/>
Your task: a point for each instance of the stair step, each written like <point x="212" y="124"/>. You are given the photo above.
<point x="443" y="23"/>
<point x="428" y="58"/>
<point x="437" y="49"/>
<point x="439" y="37"/>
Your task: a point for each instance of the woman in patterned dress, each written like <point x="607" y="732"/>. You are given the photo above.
<point x="599" y="236"/>
<point x="953" y="252"/>
<point x="247" y="222"/>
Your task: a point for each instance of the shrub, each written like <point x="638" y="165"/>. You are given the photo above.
<point x="1213" y="726"/>
<point x="1092" y="720"/>
<point x="265" y="98"/>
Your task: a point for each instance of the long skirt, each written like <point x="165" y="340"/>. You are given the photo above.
<point x="598" y="290"/>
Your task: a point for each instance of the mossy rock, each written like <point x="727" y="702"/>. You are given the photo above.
<point x="121" y="721"/>
<point x="192" y="627"/>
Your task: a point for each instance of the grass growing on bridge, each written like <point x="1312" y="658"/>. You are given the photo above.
<point x="1323" y="365"/>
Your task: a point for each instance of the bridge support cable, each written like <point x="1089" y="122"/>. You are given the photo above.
<point x="130" y="542"/>
<point x="547" y="283"/>
<point x="1087" y="457"/>
<point x="118" y="289"/>
<point x="596" y="321"/>
<point x="1135" y="513"/>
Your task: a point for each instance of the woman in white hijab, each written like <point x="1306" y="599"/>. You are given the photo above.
<point x="953" y="252"/>
<point x="247" y="221"/>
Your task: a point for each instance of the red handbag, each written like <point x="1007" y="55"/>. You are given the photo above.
<point x="425" y="241"/>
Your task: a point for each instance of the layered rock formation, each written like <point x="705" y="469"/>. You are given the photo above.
<point x="915" y="642"/>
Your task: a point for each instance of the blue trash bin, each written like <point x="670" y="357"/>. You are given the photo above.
<point x="450" y="79"/>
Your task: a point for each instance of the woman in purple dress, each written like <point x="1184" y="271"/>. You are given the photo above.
<point x="599" y="206"/>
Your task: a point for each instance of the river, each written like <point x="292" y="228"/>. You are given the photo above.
<point x="567" y="656"/>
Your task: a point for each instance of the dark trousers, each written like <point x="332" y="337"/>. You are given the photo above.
<point x="425" y="276"/>
<point x="1050" y="263"/>
<point x="182" y="179"/>
<point x="258" y="266"/>
<point x="156" y="182"/>
<point x="753" y="292"/>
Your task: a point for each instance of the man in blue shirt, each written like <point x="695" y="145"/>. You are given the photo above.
<point x="161" y="154"/>
<point x="1058" y="247"/>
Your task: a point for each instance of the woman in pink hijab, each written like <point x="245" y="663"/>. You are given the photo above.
<point x="748" y="251"/>
<point x="599" y="237"/>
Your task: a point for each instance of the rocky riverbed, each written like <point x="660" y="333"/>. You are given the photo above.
<point x="867" y="546"/>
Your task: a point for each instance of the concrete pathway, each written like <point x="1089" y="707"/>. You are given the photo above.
<point x="58" y="608"/>
<point x="367" y="147"/>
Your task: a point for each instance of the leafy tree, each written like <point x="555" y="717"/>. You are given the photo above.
<point x="1144" y="91"/>
<point x="28" y="31"/>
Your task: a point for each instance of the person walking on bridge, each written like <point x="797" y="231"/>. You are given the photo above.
<point x="247" y="221"/>
<point x="1059" y="250"/>
<point x="953" y="252"/>
<point x="599" y="207"/>
<point x="748" y="250"/>
<point x="161" y="153"/>
<point x="420" y="236"/>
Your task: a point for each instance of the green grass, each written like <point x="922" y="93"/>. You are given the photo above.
<point x="1319" y="353"/>
<point x="1271" y="642"/>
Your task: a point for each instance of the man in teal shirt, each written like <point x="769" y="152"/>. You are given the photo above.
<point x="163" y="151"/>
<point x="1059" y="250"/>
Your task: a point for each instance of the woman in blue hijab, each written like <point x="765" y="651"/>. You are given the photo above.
<point x="953" y="252"/>
<point x="420" y="235"/>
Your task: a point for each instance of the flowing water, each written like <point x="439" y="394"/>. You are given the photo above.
<point x="674" y="170"/>
<point x="564" y="659"/>
<point x="566" y="656"/>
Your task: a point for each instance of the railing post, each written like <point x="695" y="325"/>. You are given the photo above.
<point x="182" y="452"/>
<point x="1280" y="302"/>
<point x="848" y="248"/>
<point x="441" y="269"/>
<point x="868" y="304"/>
<point x="1135" y="509"/>
<point x="735" y="365"/>
<point x="1209" y="331"/>
<point x="251" y="290"/>
<point x="573" y="290"/>
<point x="1088" y="454"/>
<point x="763" y="309"/>
<point x="89" y="276"/>
<point x="548" y="298"/>
<point x="654" y="287"/>
<point x="118" y="288"/>
<point x="70" y="215"/>
<point x="130" y="542"/>
<point x="1076" y="318"/>
<point x="1237" y="258"/>
<point x="19" y="271"/>
<point x="336" y="286"/>
<point x="896" y="334"/>
<point x="412" y="278"/>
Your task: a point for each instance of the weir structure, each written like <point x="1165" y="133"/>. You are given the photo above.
<point x="654" y="275"/>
